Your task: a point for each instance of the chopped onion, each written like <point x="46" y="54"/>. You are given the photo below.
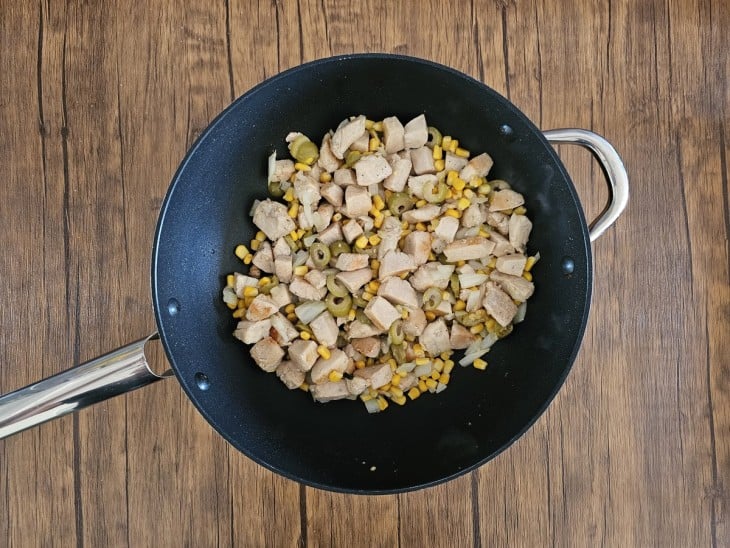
<point x="229" y="296"/>
<point x="472" y="280"/>
<point x="521" y="311"/>
<point x="424" y="369"/>
<point x="309" y="240"/>
<point x="477" y="349"/>
<point x="309" y="310"/>
<point x="405" y="368"/>
<point x="372" y="406"/>
<point x="300" y="257"/>
<point x="272" y="166"/>
<point x="440" y="387"/>
<point x="253" y="207"/>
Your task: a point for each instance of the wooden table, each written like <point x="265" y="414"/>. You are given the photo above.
<point x="97" y="107"/>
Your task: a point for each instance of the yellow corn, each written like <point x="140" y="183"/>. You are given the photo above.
<point x="375" y="264"/>
<point x="365" y="397"/>
<point x="301" y="270"/>
<point x="305" y="335"/>
<point x="422" y="386"/>
<point x="230" y="280"/>
<point x="294" y="235"/>
<point x="250" y="291"/>
<point x="430" y="315"/>
<point x="484" y="233"/>
<point x="421" y="203"/>
<point x="418" y="351"/>
<point x="373" y="144"/>
<point x="247" y="259"/>
<point x="374" y="239"/>
<point x="301" y="166"/>
<point x="397" y="392"/>
<point x="435" y="375"/>
<point x="351" y="315"/>
<point x="400" y="400"/>
<point x="289" y="195"/>
<point x="385" y="388"/>
<point x="294" y="210"/>
<point x="337" y="217"/>
<point x="458" y="183"/>
<point x="431" y="256"/>
<point x="255" y="244"/>
<point x="232" y="306"/>
<point x="374" y="286"/>
<point x="422" y="360"/>
<point x="430" y="383"/>
<point x="520" y="210"/>
<point x="445" y="355"/>
<point x="438" y="364"/>
<point x="239" y="313"/>
<point x="527" y="276"/>
<point x="367" y="296"/>
<point x="468" y="193"/>
<point x="439" y="165"/>
<point x="438" y="152"/>
<point x="245" y="302"/>
<point x="304" y="386"/>
<point x="323" y="351"/>
<point x="378" y="220"/>
<point x="480" y="364"/>
<point x="369" y="124"/>
<point x="484" y="189"/>
<point x="404" y="314"/>
<point x="289" y="308"/>
<point x="241" y="251"/>
<point x="463" y="203"/>
<point x="413" y="393"/>
<point x="448" y="367"/>
<point x="334" y="376"/>
<point x="378" y="126"/>
<point x="446" y="142"/>
<point x="361" y="242"/>
<point x="460" y="263"/>
<point x="445" y="378"/>
<point x="359" y="364"/>
<point x="461" y="152"/>
<point x="264" y="281"/>
<point x="453" y="145"/>
<point x="530" y="263"/>
<point x="382" y="403"/>
<point x="456" y="214"/>
<point x="291" y="317"/>
<point x="492" y="262"/>
<point x="451" y="177"/>
<point x="378" y="202"/>
<point x="325" y="177"/>
<point x="260" y="236"/>
<point x="476" y="329"/>
<point x="459" y="305"/>
<point x="395" y="381"/>
<point x="491" y="324"/>
<point x="301" y="232"/>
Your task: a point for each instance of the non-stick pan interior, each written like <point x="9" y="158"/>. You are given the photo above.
<point x="338" y="445"/>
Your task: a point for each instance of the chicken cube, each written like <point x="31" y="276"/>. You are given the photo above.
<point x="306" y="291"/>
<point x="422" y="214"/>
<point x="331" y="234"/>
<point x="367" y="346"/>
<point x="327" y="160"/>
<point x="337" y="361"/>
<point x="283" y="169"/>
<point x="357" y="385"/>
<point x="357" y="201"/>
<point x="346" y="135"/>
<point x="468" y="249"/>
<point x="461" y="337"/>
<point x="422" y="160"/>
<point x="360" y="330"/>
<point x="267" y="354"/>
<point x="478" y="166"/>
<point x="362" y="143"/>
<point x="501" y="245"/>
<point x="355" y="279"/>
<point x="473" y="216"/>
<point x="446" y="229"/>
<point x="432" y="274"/>
<point x="351" y="230"/>
<point x="393" y="135"/>
<point x="323" y="216"/>
<point x="325" y="329"/>
<point x="512" y="264"/>
<point x="443" y="309"/>
<point x="416" y="132"/>
<point x="273" y="219"/>
<point x="415" y="323"/>
<point x="381" y="312"/>
<point x="408" y="381"/>
<point x="303" y="354"/>
<point x="435" y="337"/>
<point x="333" y="193"/>
<point x="261" y="308"/>
<point x="252" y="332"/>
<point x="281" y="248"/>
<point x="317" y="278"/>
<point x="347" y="262"/>
<point x="370" y="170"/>
<point x="499" y="305"/>
<point x="399" y="291"/>
<point x="290" y="374"/>
<point x="505" y="199"/>
<point x="517" y="287"/>
<point x="418" y="246"/>
<point x="282" y="330"/>
<point x="344" y="177"/>
<point x="264" y="258"/>
<point x="306" y="189"/>
<point x="389" y="233"/>
<point x="283" y="268"/>
<point x="519" y="230"/>
<point x="417" y="182"/>
<point x="242" y="281"/>
<point x="395" y="263"/>
<point x="329" y="391"/>
<point x="396" y="181"/>
<point x="378" y="375"/>
<point x="498" y="220"/>
<point x="452" y="162"/>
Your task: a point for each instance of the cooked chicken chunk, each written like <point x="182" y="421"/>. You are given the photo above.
<point x="512" y="264"/>
<point x="517" y="287"/>
<point x="415" y="323"/>
<point x="329" y="391"/>
<point x="282" y="330"/>
<point x="435" y="337"/>
<point x="381" y="312"/>
<point x="283" y="268"/>
<point x="323" y="216"/>
<point x="421" y="214"/>
<point x="327" y="160"/>
<point x="417" y="182"/>
<point x="280" y="295"/>
<point x="372" y="169"/>
<point x="432" y="274"/>
<point x="360" y="330"/>
<point x="272" y="218"/>
<point x="337" y="361"/>
<point x="361" y="143"/>
<point x="281" y="248"/>
<point x="333" y="193"/>
<point x="325" y="329"/>
<point x="317" y="278"/>
<point x="261" y="308"/>
<point x="331" y="234"/>
<point x="303" y="354"/>
<point x="368" y="346"/>
<point x="393" y="135"/>
<point x="306" y="291"/>
<point x="357" y="385"/>
<point x="395" y="263"/>
<point x="264" y="257"/>
<point x="473" y="216"/>
<point x="461" y="337"/>
<point x="346" y="135"/>
<point x="478" y="166"/>
<point x="499" y="305"/>
<point x="378" y="375"/>
<point x="468" y="249"/>
<point x="452" y="162"/>
<point x="290" y="374"/>
<point x="399" y="291"/>
<point x="498" y="220"/>
<point x="519" y="231"/>
<point x="416" y="132"/>
<point x="418" y="246"/>
<point x="446" y="229"/>
<point x="347" y="262"/>
<point x="357" y="201"/>
<point x="422" y="160"/>
<point x="505" y="199"/>
<point x="344" y="177"/>
<point x="355" y="279"/>
<point x="267" y="354"/>
<point x="501" y="245"/>
<point x="396" y="181"/>
<point x="283" y="169"/>
<point x="252" y="332"/>
<point x="389" y="234"/>
<point x="351" y="229"/>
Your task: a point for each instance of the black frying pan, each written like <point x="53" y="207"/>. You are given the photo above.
<point x="338" y="445"/>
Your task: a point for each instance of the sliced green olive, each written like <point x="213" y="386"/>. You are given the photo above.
<point x="399" y="352"/>
<point x="339" y="247"/>
<point x="339" y="307"/>
<point x="266" y="288"/>
<point x="455" y="285"/>
<point x="435" y="193"/>
<point x="434" y="137"/>
<point x="470" y="319"/>
<point x="359" y="302"/>
<point x="296" y="144"/>
<point x="320" y="254"/>
<point x="335" y="287"/>
<point x="352" y="157"/>
<point x="502" y="332"/>
<point x="307" y="153"/>
<point x="275" y="189"/>
<point x="360" y="315"/>
<point x="291" y="243"/>
<point x="432" y="298"/>
<point x="396" y="332"/>
<point x="399" y="202"/>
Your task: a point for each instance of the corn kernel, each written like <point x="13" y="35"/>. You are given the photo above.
<point x="382" y="403"/>
<point x="378" y="221"/>
<point x="530" y="263"/>
<point x="484" y="233"/>
<point x="430" y="315"/>
<point x="374" y="239"/>
<point x="446" y="354"/>
<point x="232" y="306"/>
<point x="351" y="315"/>
<point x="438" y="152"/>
<point x="453" y="213"/>
<point x="378" y="126"/>
<point x="359" y="364"/>
<point x="439" y="165"/>
<point x="430" y="383"/>
<point x="476" y="329"/>
<point x="289" y="308"/>
<point x="400" y="400"/>
<point x="480" y="364"/>
<point x="361" y="242"/>
<point x="422" y="386"/>
<point x="421" y="360"/>
<point x="435" y="375"/>
<point x="385" y="388"/>
<point x="492" y="262"/>
<point x="373" y="144"/>
<point x="369" y="124"/>
<point x="461" y="152"/>
<point x="245" y="302"/>
<point x="294" y="210"/>
<point x="527" y="276"/>
<point x="301" y="232"/>
<point x="260" y="236"/>
<point x="375" y="264"/>
<point x="255" y="244"/>
<point x="395" y="381"/>
<point x="305" y="335"/>
<point x="264" y="281"/>
<point x="484" y="189"/>
<point x="289" y="195"/>
<point x="438" y="364"/>
<point x="392" y="363"/>
<point x="463" y="203"/>
<point x="520" y="210"/>
<point x="239" y="313"/>
<point x="367" y="296"/>
<point x="250" y="291"/>
<point x="365" y="397"/>
<point x="421" y="203"/>
<point x="241" y="251"/>
<point x="418" y="351"/>
<point x="460" y="263"/>
<point x="459" y="305"/>
<point x="445" y="378"/>
<point x="491" y="325"/>
<point x="304" y="386"/>
<point x="230" y="280"/>
<point x="325" y="177"/>
<point x="337" y="217"/>
<point x="323" y="351"/>
<point x="404" y="314"/>
<point x="374" y="286"/>
<point x="247" y="259"/>
<point x="291" y="316"/>
<point x="448" y="367"/>
<point x="413" y="393"/>
<point x="301" y="270"/>
<point x="334" y="376"/>
<point x="458" y="183"/>
<point x="446" y="142"/>
<point x="397" y="392"/>
<point x="453" y="145"/>
<point x="294" y="236"/>
<point x="468" y="193"/>
<point x="301" y="166"/>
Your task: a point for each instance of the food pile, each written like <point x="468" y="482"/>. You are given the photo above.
<point x="383" y="250"/>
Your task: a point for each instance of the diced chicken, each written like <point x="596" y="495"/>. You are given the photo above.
<point x="381" y="312"/>
<point x="393" y="135"/>
<point x="306" y="291"/>
<point x="351" y="230"/>
<point x="252" y="332"/>
<point x="267" y="354"/>
<point x="408" y="381"/>
<point x="345" y="135"/>
<point x="395" y="263"/>
<point x="261" y="308"/>
<point x="446" y="229"/>
<point x="333" y="193"/>
<point x="361" y="143"/>
<point x="422" y="160"/>
<point x="418" y="246"/>
<point x="443" y="309"/>
<point x="283" y="268"/>
<point x="517" y="287"/>
<point x="389" y="233"/>
<point x="378" y="375"/>
<point x="292" y="136"/>
<point x="317" y="278"/>
<point x="366" y="221"/>
<point x="499" y="305"/>
<point x="280" y="295"/>
<point x="421" y="214"/>
<point x="370" y="170"/>
<point x="329" y="391"/>
<point x="399" y="291"/>
<point x="323" y="216"/>
<point x="415" y="323"/>
<point x="416" y="183"/>
<point x="344" y="177"/>
<point x="360" y="330"/>
<point x="501" y="245"/>
<point x="264" y="257"/>
<point x="352" y="353"/>
<point x="305" y="219"/>
<point x="281" y="247"/>
<point x="282" y="330"/>
<point x="435" y="337"/>
<point x="331" y="234"/>
<point x="432" y="274"/>
<point x="478" y="166"/>
<point x="327" y="160"/>
<point x="416" y="132"/>
<point x="325" y="329"/>
<point x="519" y="230"/>
<point x="290" y="374"/>
<point x="461" y="337"/>
<point x="468" y="249"/>
<point x="473" y="216"/>
<point x="438" y="245"/>
<point x="347" y="262"/>
<point x="303" y="354"/>
<point x="283" y="169"/>
<point x="272" y="218"/>
<point x="337" y="361"/>
<point x="505" y="199"/>
<point x="452" y="162"/>
<point x="498" y="220"/>
<point x="512" y="264"/>
<point x="357" y="201"/>
<point x="306" y="189"/>
<point x="242" y="281"/>
<point x="475" y="298"/>
<point x="357" y="385"/>
<point x="471" y="279"/>
<point x="396" y="181"/>
<point x="355" y="279"/>
<point x="368" y="346"/>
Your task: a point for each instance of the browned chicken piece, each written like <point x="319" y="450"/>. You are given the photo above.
<point x="355" y="279"/>
<point x="272" y="218"/>
<point x="443" y="309"/>
<point x="347" y="262"/>
<point x="252" y="332"/>
<point x="306" y="291"/>
<point x="422" y="160"/>
<point x="360" y="330"/>
<point x="330" y="391"/>
<point x="281" y="247"/>
<point x="461" y="337"/>
<point x="282" y="330"/>
<point x="346" y="135"/>
<point x="283" y="169"/>
<point x="327" y="160"/>
<point x="432" y="274"/>
<point x="498" y="220"/>
<point x="242" y="281"/>
<point x="512" y="264"/>
<point x="478" y="166"/>
<point x="317" y="278"/>
<point x="361" y="143"/>
<point x="505" y="199"/>
<point x="395" y="263"/>
<point x="368" y="346"/>
<point x="351" y="229"/>
<point x="396" y="181"/>
<point x="357" y="385"/>
<point x="267" y="354"/>
<point x="473" y="216"/>
<point x="303" y="354"/>
<point x="499" y="305"/>
<point x="331" y="234"/>
<point x="325" y="329"/>
<point x="370" y="170"/>
<point x="337" y="361"/>
<point x="389" y="234"/>
<point x="283" y="268"/>
<point x="417" y="182"/>
<point x="378" y="375"/>
<point x="452" y="162"/>
<point x="416" y="132"/>
<point x="357" y="201"/>
<point x="446" y="229"/>
<point x="393" y="135"/>
<point x="290" y="374"/>
<point x="264" y="257"/>
<point x="344" y="177"/>
<point x="519" y="231"/>
<point x="398" y="291"/>
<point x="501" y="245"/>
<point x="435" y="337"/>
<point x="261" y="308"/>
<point x="421" y="214"/>
<point x="415" y="323"/>
<point x="418" y="246"/>
<point x="323" y="216"/>
<point x="517" y="287"/>
<point x="333" y="193"/>
<point x="381" y="312"/>
<point x="280" y="295"/>
<point x="467" y="249"/>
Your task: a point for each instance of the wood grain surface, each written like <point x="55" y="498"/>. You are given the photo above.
<point x="98" y="104"/>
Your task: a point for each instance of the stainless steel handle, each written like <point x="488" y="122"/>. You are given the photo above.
<point x="117" y="372"/>
<point x="613" y="167"/>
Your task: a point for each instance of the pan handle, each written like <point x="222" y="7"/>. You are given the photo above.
<point x="613" y="169"/>
<point x="117" y="372"/>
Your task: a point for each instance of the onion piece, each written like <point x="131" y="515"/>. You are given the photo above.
<point x="272" y="166"/>
<point x="372" y="405"/>
<point x="405" y="368"/>
<point x="424" y="369"/>
<point x="521" y="311"/>
<point x="309" y="310"/>
<point x="229" y="296"/>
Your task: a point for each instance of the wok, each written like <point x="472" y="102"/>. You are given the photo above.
<point x="338" y="446"/>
